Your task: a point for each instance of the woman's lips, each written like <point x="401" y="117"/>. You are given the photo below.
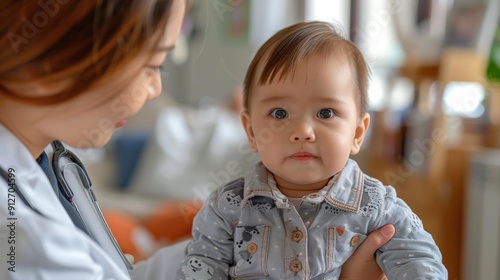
<point x="121" y="123"/>
<point x="303" y="156"/>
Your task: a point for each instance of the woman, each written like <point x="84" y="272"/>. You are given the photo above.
<point x="75" y="71"/>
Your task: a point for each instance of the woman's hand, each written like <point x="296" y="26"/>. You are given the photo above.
<point x="361" y="265"/>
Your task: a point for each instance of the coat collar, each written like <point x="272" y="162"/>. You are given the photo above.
<point x="343" y="191"/>
<point x="30" y="178"/>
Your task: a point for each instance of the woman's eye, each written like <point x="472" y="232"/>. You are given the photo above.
<point x="155" y="67"/>
<point x="325" y="113"/>
<point x="279" y="113"/>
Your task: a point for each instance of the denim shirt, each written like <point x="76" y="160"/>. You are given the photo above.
<point x="249" y="230"/>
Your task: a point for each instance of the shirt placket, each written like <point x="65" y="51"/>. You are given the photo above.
<point x="308" y="209"/>
<point x="296" y="266"/>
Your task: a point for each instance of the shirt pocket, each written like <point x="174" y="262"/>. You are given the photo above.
<point x="250" y="252"/>
<point x="341" y="245"/>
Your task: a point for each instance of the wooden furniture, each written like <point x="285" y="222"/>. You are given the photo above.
<point x="457" y="65"/>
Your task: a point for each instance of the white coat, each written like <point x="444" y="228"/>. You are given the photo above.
<point x="49" y="246"/>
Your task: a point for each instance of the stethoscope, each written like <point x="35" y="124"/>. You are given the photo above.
<point x="63" y="158"/>
<point x="60" y="152"/>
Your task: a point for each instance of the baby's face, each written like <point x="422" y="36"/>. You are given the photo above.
<point x="305" y="128"/>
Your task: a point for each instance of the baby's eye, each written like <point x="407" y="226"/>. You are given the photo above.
<point x="325" y="113"/>
<point x="279" y="113"/>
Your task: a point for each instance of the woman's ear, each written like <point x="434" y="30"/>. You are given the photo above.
<point x="359" y="135"/>
<point x="247" y="125"/>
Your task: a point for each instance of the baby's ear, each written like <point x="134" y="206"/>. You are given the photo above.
<point x="359" y="135"/>
<point x="247" y="125"/>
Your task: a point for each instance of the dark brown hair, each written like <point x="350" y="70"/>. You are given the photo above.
<point x="281" y="54"/>
<point x="81" y="42"/>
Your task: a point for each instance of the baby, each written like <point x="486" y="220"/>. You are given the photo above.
<point x="302" y="211"/>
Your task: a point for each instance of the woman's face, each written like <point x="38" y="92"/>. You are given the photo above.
<point x="90" y="119"/>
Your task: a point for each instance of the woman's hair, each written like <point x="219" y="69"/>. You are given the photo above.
<point x="71" y="45"/>
<point x="280" y="55"/>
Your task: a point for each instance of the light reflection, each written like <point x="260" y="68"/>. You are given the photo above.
<point x="464" y="99"/>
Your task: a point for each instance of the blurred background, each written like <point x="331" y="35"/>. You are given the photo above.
<point x="434" y="103"/>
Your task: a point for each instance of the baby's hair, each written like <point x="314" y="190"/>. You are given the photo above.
<point x="280" y="55"/>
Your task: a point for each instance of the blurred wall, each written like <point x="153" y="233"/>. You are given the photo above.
<point x="217" y="60"/>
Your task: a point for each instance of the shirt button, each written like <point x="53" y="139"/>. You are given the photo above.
<point x="295" y="266"/>
<point x="252" y="248"/>
<point x="355" y="240"/>
<point x="297" y="235"/>
<point x="313" y="195"/>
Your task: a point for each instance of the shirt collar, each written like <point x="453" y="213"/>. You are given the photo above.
<point x="343" y="191"/>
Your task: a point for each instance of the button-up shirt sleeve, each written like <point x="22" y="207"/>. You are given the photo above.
<point x="412" y="252"/>
<point x="210" y="254"/>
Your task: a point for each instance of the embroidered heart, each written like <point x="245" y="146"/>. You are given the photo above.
<point x="340" y="231"/>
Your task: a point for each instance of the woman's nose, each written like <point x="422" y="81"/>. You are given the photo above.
<point x="303" y="132"/>
<point x="153" y="87"/>
<point x="154" y="90"/>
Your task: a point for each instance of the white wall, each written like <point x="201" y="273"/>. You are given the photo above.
<point x="216" y="64"/>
